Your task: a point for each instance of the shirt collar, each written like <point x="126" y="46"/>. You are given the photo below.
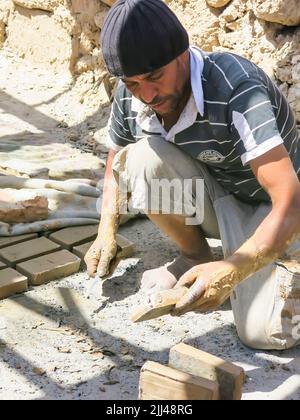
<point x="197" y="65"/>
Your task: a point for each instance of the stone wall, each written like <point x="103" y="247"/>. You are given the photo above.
<point x="64" y="34"/>
<point x="60" y="34"/>
<point x="264" y="31"/>
<point x="5" y="7"/>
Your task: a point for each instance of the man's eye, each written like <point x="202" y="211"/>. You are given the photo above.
<point x="130" y="85"/>
<point x="154" y="78"/>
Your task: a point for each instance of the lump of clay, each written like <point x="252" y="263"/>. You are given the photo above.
<point x="31" y="210"/>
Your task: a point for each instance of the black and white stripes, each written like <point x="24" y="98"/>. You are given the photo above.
<point x="245" y="116"/>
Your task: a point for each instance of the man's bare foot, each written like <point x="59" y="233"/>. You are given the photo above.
<point x="166" y="277"/>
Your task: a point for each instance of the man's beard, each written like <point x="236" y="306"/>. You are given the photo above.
<point x="174" y="100"/>
<point x="179" y="98"/>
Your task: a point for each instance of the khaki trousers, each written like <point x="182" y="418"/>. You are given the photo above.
<point x="266" y="305"/>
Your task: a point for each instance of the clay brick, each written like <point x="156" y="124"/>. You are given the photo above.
<point x="229" y="376"/>
<point x="159" y="382"/>
<point x="127" y="247"/>
<point x="12" y="240"/>
<point x="2" y="265"/>
<point x="12" y="282"/>
<point x="81" y="250"/>
<point x="74" y="236"/>
<point x="50" y="267"/>
<point x="23" y="251"/>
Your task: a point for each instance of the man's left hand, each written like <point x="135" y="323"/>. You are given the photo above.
<point x="210" y="285"/>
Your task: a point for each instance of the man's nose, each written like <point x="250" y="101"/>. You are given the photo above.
<point x="148" y="93"/>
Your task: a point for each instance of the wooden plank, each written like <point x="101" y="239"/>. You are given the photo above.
<point x="159" y="382"/>
<point x="161" y="304"/>
<point x="197" y="362"/>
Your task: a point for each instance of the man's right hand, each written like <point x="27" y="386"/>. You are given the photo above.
<point x="104" y="249"/>
<point x="100" y="255"/>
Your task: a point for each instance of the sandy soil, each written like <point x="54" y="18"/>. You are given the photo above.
<point x="72" y="339"/>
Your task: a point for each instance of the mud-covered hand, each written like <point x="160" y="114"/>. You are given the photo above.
<point x="210" y="284"/>
<point x="100" y="255"/>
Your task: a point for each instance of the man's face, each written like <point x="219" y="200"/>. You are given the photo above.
<point x="163" y="89"/>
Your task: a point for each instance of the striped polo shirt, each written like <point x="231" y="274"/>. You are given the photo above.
<point x="234" y="115"/>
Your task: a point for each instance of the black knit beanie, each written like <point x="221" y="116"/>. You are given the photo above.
<point x="140" y="36"/>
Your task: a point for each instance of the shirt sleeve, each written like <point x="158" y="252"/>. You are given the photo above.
<point x="253" y="121"/>
<point x="119" y="134"/>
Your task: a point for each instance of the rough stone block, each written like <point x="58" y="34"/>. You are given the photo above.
<point x="12" y="240"/>
<point x="12" y="282"/>
<point x="73" y="236"/>
<point x="88" y="7"/>
<point x="50" y="267"/>
<point x="217" y="3"/>
<point x="108" y="2"/>
<point x="24" y="251"/>
<point x="47" y="5"/>
<point x="285" y="12"/>
<point x="159" y="382"/>
<point x="229" y="376"/>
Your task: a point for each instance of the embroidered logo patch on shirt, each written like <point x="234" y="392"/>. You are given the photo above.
<point x="211" y="156"/>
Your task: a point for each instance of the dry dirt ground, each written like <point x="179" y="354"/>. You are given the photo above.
<point x="72" y="339"/>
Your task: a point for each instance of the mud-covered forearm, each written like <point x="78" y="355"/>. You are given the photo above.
<point x="110" y="216"/>
<point x="104" y="248"/>
<point x="271" y="239"/>
<point x="212" y="283"/>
